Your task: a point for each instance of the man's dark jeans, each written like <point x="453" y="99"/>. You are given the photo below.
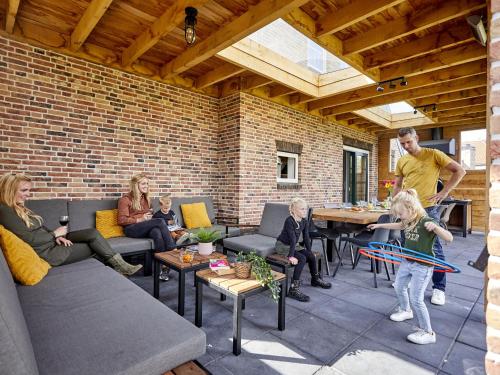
<point x="438" y="278"/>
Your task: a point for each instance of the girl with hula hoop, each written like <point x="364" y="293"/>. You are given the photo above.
<point x="420" y="234"/>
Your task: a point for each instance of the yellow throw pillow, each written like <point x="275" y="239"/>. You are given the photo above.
<point x="24" y="263"/>
<point x="106" y="222"/>
<point x="195" y="215"/>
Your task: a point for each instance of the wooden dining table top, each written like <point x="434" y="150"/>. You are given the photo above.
<point x="346" y="215"/>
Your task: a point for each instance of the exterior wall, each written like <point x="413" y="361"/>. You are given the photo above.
<point x="493" y="290"/>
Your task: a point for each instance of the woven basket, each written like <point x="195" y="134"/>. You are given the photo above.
<point x="242" y="270"/>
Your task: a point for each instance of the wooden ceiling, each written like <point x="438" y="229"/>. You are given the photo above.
<point x="427" y="41"/>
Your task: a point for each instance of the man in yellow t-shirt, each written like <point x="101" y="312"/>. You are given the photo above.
<point x="419" y="170"/>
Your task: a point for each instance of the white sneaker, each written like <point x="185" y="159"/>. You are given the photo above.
<point x="401" y="315"/>
<point x="438" y="297"/>
<point x="164" y="274"/>
<point x="422" y="337"/>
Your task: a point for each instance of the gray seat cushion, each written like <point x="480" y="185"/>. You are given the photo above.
<point x="49" y="210"/>
<point x="273" y="218"/>
<point x="78" y="266"/>
<point x="95" y="321"/>
<point x="232" y="231"/>
<point x="262" y="245"/>
<point x="82" y="213"/>
<point x="124" y="245"/>
<point x="16" y="352"/>
<point x="176" y="207"/>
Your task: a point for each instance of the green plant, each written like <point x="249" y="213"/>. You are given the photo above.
<point x="206" y="236"/>
<point x="262" y="272"/>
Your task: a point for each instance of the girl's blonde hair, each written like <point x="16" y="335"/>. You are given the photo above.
<point x="408" y="200"/>
<point x="296" y="202"/>
<point x="165" y="200"/>
<point x="9" y="186"/>
<point x="136" y="194"/>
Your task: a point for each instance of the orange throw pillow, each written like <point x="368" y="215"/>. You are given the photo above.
<point x="106" y="222"/>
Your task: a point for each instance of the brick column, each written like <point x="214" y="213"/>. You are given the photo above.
<point x="493" y="289"/>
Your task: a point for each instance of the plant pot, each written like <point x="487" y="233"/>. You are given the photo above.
<point x="205" y="248"/>
<point x="242" y="270"/>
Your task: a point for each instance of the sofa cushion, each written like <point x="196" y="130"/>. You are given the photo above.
<point x="95" y="321"/>
<point x="273" y="218"/>
<point x="263" y="245"/>
<point x="82" y="213"/>
<point x="124" y="245"/>
<point x="77" y="266"/>
<point x="16" y="352"/>
<point x="24" y="263"/>
<point x="195" y="215"/>
<point x="49" y="210"/>
<point x="176" y="207"/>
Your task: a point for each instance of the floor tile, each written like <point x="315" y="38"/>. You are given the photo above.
<point x="370" y="299"/>
<point x="474" y="334"/>
<point x="465" y="359"/>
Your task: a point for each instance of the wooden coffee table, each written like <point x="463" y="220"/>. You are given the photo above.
<point x="238" y="289"/>
<point x="172" y="260"/>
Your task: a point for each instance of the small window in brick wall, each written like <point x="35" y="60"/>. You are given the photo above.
<point x="287" y="167"/>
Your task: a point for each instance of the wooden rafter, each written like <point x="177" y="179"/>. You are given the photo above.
<point x="464" y="103"/>
<point x="217" y="75"/>
<point x="351" y="14"/>
<point x="440" y="88"/>
<point x="254" y="81"/>
<point x="452" y="96"/>
<point x="88" y="22"/>
<point x="426" y="79"/>
<point x="256" y="17"/>
<point x="447" y="38"/>
<point x="280" y="90"/>
<point x="477" y="123"/>
<point x="10" y="18"/>
<point x="454" y="56"/>
<point x="346" y="116"/>
<point x="459" y="111"/>
<point x="164" y="24"/>
<point x="425" y="18"/>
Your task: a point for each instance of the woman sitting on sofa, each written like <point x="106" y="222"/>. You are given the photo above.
<point x="59" y="246"/>
<point x="136" y="216"/>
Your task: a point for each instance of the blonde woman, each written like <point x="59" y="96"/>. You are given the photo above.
<point x="287" y="244"/>
<point x="57" y="247"/>
<point x="420" y="234"/>
<point x="136" y="217"/>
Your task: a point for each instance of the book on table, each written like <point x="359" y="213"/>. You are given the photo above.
<point x="219" y="264"/>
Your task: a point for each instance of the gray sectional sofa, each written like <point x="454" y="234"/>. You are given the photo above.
<point x="85" y="318"/>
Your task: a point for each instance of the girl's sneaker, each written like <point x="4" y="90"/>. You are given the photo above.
<point x="422" y="337"/>
<point x="401" y="315"/>
<point x="164" y="274"/>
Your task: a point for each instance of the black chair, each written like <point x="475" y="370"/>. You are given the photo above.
<point x="322" y="234"/>
<point x="379" y="235"/>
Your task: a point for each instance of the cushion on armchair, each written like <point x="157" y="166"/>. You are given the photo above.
<point x="195" y="215"/>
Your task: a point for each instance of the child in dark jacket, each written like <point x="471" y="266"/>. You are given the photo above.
<point x="287" y="244"/>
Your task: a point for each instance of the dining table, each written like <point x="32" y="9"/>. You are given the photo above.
<point x="332" y="216"/>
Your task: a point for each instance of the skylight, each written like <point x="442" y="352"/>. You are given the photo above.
<point x="399" y="107"/>
<point x="284" y="40"/>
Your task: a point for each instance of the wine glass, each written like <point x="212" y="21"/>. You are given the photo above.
<point x="64" y="220"/>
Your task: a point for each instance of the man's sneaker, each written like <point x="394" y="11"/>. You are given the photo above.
<point x="164" y="274"/>
<point x="401" y="315"/>
<point x="182" y="238"/>
<point x="438" y="297"/>
<point x="422" y="337"/>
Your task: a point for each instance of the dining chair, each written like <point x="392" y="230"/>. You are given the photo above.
<point x="322" y="234"/>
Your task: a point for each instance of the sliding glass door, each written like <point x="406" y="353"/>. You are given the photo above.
<point x="355" y="175"/>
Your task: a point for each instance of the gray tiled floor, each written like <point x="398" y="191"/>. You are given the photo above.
<point x="345" y="330"/>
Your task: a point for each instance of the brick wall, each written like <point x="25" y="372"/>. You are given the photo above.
<point x="493" y="292"/>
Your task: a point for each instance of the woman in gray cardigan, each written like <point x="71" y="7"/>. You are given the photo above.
<point x="57" y="247"/>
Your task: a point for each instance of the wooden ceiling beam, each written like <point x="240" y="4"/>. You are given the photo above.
<point x="279" y="90"/>
<point x="163" y="25"/>
<point x="459" y="111"/>
<point x="422" y="80"/>
<point x="350" y="14"/>
<point x="439" y="88"/>
<point x="430" y="43"/>
<point x="218" y="74"/>
<point x="464" y="103"/>
<point x="254" y="81"/>
<point x="463" y="116"/>
<point x="451" y="57"/>
<point x="88" y="22"/>
<point x="422" y="19"/>
<point x="357" y="121"/>
<point x="346" y="116"/>
<point x="478" y="123"/>
<point x="255" y="18"/>
<point x="451" y="97"/>
<point x="10" y="17"/>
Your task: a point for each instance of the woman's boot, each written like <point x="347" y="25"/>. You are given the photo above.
<point x="317" y="281"/>
<point x="123" y="267"/>
<point x="295" y="293"/>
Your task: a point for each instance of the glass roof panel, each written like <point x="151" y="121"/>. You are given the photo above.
<point x="284" y="40"/>
<point x="395" y="108"/>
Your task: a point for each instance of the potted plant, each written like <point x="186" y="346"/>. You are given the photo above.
<point x="205" y="238"/>
<point x="261" y="270"/>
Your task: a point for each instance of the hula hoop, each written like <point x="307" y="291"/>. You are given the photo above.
<point x="376" y="252"/>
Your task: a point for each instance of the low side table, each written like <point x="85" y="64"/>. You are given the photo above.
<point x="172" y="260"/>
<point x="238" y="290"/>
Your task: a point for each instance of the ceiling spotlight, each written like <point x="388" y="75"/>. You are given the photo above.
<point x="403" y="82"/>
<point x="414" y="111"/>
<point x="478" y="30"/>
<point x="380" y="88"/>
<point x="426" y="108"/>
<point x="189" y="25"/>
<point x="434" y="107"/>
<point x="392" y="85"/>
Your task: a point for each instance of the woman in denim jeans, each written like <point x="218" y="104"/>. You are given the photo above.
<point x="420" y="233"/>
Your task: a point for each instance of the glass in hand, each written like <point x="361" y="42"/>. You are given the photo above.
<point x="64" y="220"/>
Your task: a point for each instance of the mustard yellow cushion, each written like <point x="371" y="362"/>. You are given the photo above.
<point x="195" y="215"/>
<point x="25" y="265"/>
<point x="106" y="222"/>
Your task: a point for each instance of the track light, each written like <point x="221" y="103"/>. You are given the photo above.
<point x="392" y="83"/>
<point x="189" y="25"/>
<point x="425" y="108"/>
<point x="478" y="30"/>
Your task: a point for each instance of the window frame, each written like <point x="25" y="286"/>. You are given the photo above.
<point x="296" y="162"/>
<point x="402" y="152"/>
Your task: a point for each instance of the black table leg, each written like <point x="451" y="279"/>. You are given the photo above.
<point x="198" y="321"/>
<point x="281" y="308"/>
<point x="156" y="280"/>
<point x="464" y="220"/>
<point x="237" y="306"/>
<point x="329" y="243"/>
<point x="341" y="256"/>
<point x="182" y="292"/>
